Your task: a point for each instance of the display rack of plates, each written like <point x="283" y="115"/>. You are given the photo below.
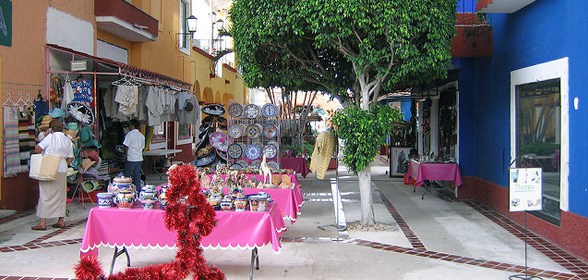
<point x="253" y="131"/>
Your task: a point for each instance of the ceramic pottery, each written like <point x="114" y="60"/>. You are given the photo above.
<point x="147" y="204"/>
<point x="240" y="204"/>
<point x="163" y="198"/>
<point x="125" y="199"/>
<point x="104" y="200"/>
<point x="226" y="203"/>
<point x="257" y="203"/>
<point x="215" y="201"/>
<point x="119" y="183"/>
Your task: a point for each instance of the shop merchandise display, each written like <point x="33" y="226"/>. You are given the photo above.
<point x="253" y="132"/>
<point x="180" y="217"/>
<point x="225" y="190"/>
<point x="213" y="146"/>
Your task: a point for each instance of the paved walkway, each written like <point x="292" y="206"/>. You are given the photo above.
<point x="438" y="237"/>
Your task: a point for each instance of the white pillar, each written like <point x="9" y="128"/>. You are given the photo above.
<point x="420" y="142"/>
<point x="434" y="127"/>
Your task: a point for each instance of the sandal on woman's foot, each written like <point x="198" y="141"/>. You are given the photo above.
<point x="59" y="226"/>
<point x="39" y="227"/>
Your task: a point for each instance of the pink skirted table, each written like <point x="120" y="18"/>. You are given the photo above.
<point x="295" y="163"/>
<point x="431" y="171"/>
<point x="138" y="228"/>
<point x="289" y="201"/>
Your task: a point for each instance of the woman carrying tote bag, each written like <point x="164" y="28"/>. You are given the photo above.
<point x="53" y="194"/>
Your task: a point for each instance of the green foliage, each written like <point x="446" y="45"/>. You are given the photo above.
<point x="363" y="132"/>
<point x="328" y="45"/>
<point x="305" y="148"/>
<point x="539" y="149"/>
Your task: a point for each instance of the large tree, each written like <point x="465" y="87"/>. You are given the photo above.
<point x="357" y="50"/>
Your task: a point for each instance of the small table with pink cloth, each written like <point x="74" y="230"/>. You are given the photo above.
<point x="139" y="228"/>
<point x="289" y="201"/>
<point x="297" y="164"/>
<point x="432" y="171"/>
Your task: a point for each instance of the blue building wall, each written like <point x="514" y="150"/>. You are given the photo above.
<point x="540" y="32"/>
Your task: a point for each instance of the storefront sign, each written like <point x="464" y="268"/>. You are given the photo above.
<point x="525" y="189"/>
<point x="6" y="23"/>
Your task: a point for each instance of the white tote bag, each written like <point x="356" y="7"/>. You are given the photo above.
<point x="44" y="167"/>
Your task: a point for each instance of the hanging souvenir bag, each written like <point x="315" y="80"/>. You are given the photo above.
<point x="44" y="166"/>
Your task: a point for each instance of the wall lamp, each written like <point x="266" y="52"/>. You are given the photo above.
<point x="192" y="25"/>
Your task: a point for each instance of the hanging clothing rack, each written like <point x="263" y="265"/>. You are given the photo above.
<point x="19" y="94"/>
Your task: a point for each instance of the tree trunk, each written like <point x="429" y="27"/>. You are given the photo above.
<point x="365" y="193"/>
<point x="365" y="178"/>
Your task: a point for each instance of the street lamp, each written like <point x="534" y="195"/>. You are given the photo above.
<point x="191" y="24"/>
<point x="212" y="22"/>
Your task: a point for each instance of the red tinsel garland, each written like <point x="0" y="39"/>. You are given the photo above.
<point x="192" y="216"/>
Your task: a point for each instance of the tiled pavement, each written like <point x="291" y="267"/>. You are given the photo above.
<point x="574" y="268"/>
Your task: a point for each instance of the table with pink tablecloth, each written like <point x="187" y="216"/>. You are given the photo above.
<point x="138" y="228"/>
<point x="295" y="163"/>
<point x="289" y="201"/>
<point x="422" y="171"/>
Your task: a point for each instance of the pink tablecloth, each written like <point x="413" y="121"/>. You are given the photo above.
<point x="435" y="172"/>
<point x="289" y="201"/>
<point x="297" y="164"/>
<point x="138" y="228"/>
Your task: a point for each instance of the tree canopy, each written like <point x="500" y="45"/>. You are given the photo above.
<point x="359" y="49"/>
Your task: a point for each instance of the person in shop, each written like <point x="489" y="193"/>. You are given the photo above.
<point x="134" y="143"/>
<point x="52" y="194"/>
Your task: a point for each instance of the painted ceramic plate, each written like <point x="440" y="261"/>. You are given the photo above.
<point x="269" y="110"/>
<point x="235" y="131"/>
<point x="219" y="141"/>
<point x="235" y="110"/>
<point x="270" y="131"/>
<point x="273" y="165"/>
<point x="214" y="109"/>
<point x="270" y="151"/>
<point x="235" y="166"/>
<point x="252" y="111"/>
<point x="243" y="163"/>
<point x="254" y="130"/>
<point x="256" y="164"/>
<point x="253" y="151"/>
<point x="206" y="160"/>
<point x="235" y="151"/>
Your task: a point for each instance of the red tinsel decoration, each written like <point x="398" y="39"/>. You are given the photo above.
<point x="89" y="268"/>
<point x="191" y="216"/>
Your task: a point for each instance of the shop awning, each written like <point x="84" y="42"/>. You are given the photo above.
<point x="68" y="61"/>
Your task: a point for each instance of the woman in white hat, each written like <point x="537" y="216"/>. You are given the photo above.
<point x="53" y="194"/>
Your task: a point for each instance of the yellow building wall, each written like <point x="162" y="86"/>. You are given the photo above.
<point x="22" y="71"/>
<point x="164" y="56"/>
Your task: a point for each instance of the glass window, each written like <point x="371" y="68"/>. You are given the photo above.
<point x="159" y="140"/>
<point x="185" y="132"/>
<point x="538" y="139"/>
<point x="184" y="38"/>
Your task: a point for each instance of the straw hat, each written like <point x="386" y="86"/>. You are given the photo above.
<point x="72" y="134"/>
<point x="86" y="163"/>
<point x="45" y="122"/>
<point x="90" y="185"/>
